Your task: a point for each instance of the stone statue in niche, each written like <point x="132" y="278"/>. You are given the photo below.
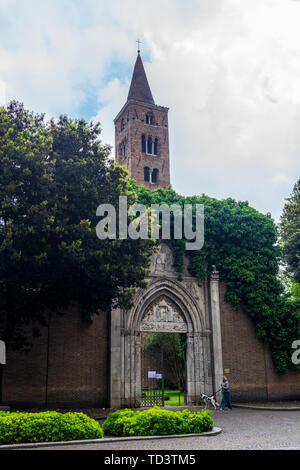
<point x="160" y="262"/>
<point x="163" y="261"/>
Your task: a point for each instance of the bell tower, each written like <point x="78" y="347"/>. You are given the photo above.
<point x="142" y="134"/>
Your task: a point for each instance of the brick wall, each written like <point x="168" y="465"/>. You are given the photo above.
<point x="67" y="366"/>
<point x="252" y="375"/>
<point x="24" y="375"/>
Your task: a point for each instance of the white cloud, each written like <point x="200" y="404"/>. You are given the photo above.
<point x="279" y="178"/>
<point x="229" y="70"/>
<point x="112" y="98"/>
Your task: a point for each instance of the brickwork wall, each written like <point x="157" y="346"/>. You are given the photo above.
<point x="252" y="375"/>
<point x="25" y="375"/>
<point x="134" y="119"/>
<point x="68" y="365"/>
<point x="74" y="373"/>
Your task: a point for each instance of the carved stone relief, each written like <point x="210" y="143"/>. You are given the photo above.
<point x="163" y="316"/>
<point x="195" y="290"/>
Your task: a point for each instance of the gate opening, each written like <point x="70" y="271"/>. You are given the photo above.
<point x="163" y="369"/>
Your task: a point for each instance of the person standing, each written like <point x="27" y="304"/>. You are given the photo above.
<point x="226" y="399"/>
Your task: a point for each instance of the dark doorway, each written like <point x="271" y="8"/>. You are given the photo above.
<point x="163" y="369"/>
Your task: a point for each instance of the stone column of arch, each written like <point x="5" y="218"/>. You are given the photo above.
<point x="216" y="330"/>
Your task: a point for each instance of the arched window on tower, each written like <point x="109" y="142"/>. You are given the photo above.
<point x="150" y="119"/>
<point x="122" y="124"/>
<point x="156" y="146"/>
<point x="123" y="150"/>
<point x="149" y="145"/>
<point x="154" y="176"/>
<point x="143" y="144"/>
<point x="147" y="174"/>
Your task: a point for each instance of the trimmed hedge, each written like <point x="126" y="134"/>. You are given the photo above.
<point x="157" y="422"/>
<point x="50" y="426"/>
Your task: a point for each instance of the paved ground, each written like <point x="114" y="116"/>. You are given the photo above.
<point x="242" y="429"/>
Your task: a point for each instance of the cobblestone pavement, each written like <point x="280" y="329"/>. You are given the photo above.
<point x="242" y="429"/>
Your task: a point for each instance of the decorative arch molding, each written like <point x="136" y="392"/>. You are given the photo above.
<point x="176" y="293"/>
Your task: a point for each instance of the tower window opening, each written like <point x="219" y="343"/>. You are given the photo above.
<point x="154" y="176"/>
<point x="147" y="174"/>
<point x="123" y="150"/>
<point x="149" y="146"/>
<point x="155" y="150"/>
<point x="149" y="119"/>
<point x="143" y="144"/>
<point x="152" y="146"/>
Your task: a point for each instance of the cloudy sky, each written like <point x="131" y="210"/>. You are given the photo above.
<point x="229" y="70"/>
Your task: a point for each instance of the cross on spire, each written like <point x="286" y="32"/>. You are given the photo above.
<point x="139" y="43"/>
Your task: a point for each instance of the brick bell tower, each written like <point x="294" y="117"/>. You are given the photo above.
<point x="142" y="134"/>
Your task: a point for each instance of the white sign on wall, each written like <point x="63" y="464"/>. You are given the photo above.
<point x="158" y="376"/>
<point x="152" y="374"/>
<point x="2" y="353"/>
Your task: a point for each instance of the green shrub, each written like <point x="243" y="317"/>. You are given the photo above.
<point x="49" y="426"/>
<point x="114" y="424"/>
<point x="157" y="422"/>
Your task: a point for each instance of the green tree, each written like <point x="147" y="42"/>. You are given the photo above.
<point x="53" y="176"/>
<point x="290" y="234"/>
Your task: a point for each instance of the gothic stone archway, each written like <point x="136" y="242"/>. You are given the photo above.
<point x="164" y="307"/>
<point x="167" y="305"/>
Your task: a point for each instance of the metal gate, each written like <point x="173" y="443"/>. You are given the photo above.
<point x="152" y="378"/>
<point x="152" y="398"/>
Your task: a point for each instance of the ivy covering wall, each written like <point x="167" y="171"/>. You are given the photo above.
<point x="243" y="244"/>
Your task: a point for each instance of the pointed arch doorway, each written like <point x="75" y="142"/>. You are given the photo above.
<point x="163" y="369"/>
<point x="163" y="351"/>
<point x="165" y="306"/>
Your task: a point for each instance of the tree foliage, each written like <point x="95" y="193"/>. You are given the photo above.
<point x="243" y="244"/>
<point x="291" y="287"/>
<point x="290" y="233"/>
<point x="53" y="176"/>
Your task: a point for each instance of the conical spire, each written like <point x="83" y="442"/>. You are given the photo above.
<point x="139" y="88"/>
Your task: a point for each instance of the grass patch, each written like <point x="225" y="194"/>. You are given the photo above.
<point x="174" y="398"/>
